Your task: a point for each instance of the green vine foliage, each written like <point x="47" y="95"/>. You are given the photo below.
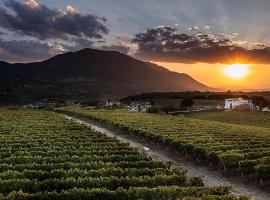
<point x="230" y="147"/>
<point x="45" y="156"/>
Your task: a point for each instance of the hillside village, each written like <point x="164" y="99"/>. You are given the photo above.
<point x="170" y="106"/>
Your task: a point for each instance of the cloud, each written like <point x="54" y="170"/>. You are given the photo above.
<point x="164" y="43"/>
<point x="49" y="31"/>
<point x="32" y="3"/>
<point x="38" y="20"/>
<point x="78" y="44"/>
<point x="71" y="10"/>
<point x="193" y="28"/>
<point x="28" y="50"/>
<point x="120" y="48"/>
<point x="235" y="34"/>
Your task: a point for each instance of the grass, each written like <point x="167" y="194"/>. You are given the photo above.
<point x="241" y="118"/>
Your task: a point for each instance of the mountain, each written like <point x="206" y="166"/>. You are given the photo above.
<point x="86" y="74"/>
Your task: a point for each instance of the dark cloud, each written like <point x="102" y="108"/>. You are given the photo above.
<point x="164" y="43"/>
<point x="29" y="18"/>
<point x="27" y="50"/>
<point x="38" y="20"/>
<point x="36" y="50"/>
<point x="78" y="44"/>
<point x="120" y="48"/>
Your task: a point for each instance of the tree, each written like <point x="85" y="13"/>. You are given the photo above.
<point x="187" y="102"/>
<point x="89" y="103"/>
<point x="154" y="110"/>
<point x="260" y="101"/>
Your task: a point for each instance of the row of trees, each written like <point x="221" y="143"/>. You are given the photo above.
<point x="45" y="156"/>
<point x="223" y="146"/>
<point x="161" y="193"/>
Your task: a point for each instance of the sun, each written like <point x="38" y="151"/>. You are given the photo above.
<point x="236" y="70"/>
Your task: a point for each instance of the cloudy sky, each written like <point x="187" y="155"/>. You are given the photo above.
<point x="191" y="36"/>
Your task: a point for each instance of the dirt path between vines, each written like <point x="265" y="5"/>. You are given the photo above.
<point x="211" y="177"/>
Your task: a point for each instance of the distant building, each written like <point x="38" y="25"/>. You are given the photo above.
<point x="38" y="105"/>
<point x="139" y="106"/>
<point x="109" y="103"/>
<point x="234" y="102"/>
<point x="266" y="109"/>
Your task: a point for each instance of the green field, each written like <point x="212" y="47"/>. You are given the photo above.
<point x="45" y="156"/>
<point x="236" y="148"/>
<point x="244" y="118"/>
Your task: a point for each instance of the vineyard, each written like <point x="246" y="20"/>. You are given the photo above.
<point x="45" y="156"/>
<point x="244" y="118"/>
<point x="237" y="149"/>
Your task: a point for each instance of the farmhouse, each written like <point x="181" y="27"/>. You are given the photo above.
<point x="266" y="109"/>
<point x="38" y="105"/>
<point x="110" y="103"/>
<point x="234" y="102"/>
<point x="139" y="106"/>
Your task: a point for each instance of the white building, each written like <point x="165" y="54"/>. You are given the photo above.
<point x="234" y="102"/>
<point x="111" y="103"/>
<point x="38" y="105"/>
<point x="266" y="109"/>
<point x="139" y="106"/>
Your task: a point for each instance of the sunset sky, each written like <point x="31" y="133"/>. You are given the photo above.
<point x="221" y="43"/>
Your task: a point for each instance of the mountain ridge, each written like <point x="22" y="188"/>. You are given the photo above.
<point x="88" y="73"/>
